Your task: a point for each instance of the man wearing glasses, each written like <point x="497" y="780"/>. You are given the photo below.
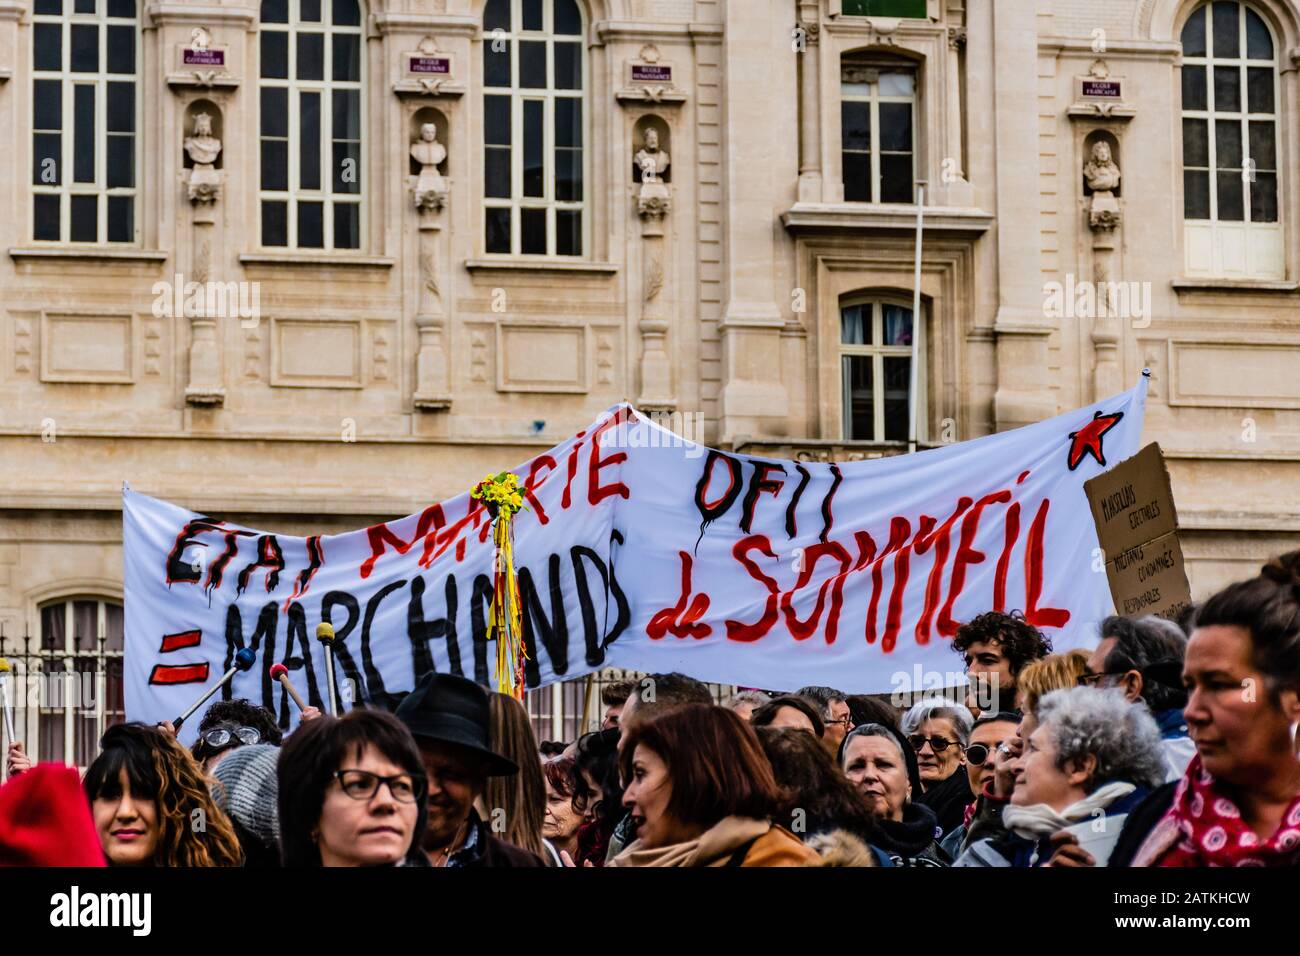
<point x="835" y="713"/>
<point x="991" y="742"/>
<point x="1144" y="658"/>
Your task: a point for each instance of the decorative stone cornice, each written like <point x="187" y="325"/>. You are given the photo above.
<point x="421" y="23"/>
<point x="204" y="79"/>
<point x="164" y="12"/>
<point x="805" y="218"/>
<point x="639" y="30"/>
<point x="428" y="86"/>
<point x="650" y="93"/>
<point x="1115" y="49"/>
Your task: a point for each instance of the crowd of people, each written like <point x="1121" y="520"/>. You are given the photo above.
<point x="1170" y="744"/>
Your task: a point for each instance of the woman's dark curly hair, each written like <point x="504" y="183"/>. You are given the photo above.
<point x="1268" y="606"/>
<point x="1021" y="642"/>
<point x="160" y="769"/>
<point x="809" y="780"/>
<point x="598" y="757"/>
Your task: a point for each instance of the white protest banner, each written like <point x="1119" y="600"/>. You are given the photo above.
<point x="644" y="551"/>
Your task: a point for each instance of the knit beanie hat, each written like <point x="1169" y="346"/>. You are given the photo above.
<point x="249" y="790"/>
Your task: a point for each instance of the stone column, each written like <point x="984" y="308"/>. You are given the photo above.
<point x="1021" y="329"/>
<point x="1102" y="176"/>
<point x="956" y="189"/>
<point x="432" y="374"/>
<point x="810" y="141"/>
<point x="656" y="376"/>
<point x="753" y="400"/>
<point x="203" y="186"/>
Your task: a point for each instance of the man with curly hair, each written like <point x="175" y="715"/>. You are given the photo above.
<point x="228" y="724"/>
<point x="996" y="648"/>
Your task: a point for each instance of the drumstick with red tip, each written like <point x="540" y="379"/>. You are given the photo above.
<point x="281" y="673"/>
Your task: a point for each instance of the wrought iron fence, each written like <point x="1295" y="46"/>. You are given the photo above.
<point x="66" y="684"/>
<point x="566" y="710"/>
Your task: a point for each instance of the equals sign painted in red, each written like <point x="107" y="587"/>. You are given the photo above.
<point x="179" y="673"/>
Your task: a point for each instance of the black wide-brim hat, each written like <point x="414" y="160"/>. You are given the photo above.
<point x="454" y="710"/>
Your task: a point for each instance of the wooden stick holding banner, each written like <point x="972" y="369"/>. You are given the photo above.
<point x="502" y="495"/>
<point x="914" y="375"/>
<point x="586" y="701"/>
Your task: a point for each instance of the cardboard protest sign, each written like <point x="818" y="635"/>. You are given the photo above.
<point x="1137" y="526"/>
<point x="644" y="551"/>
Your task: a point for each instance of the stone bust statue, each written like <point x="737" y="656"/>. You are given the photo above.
<point x="430" y="188"/>
<point x="1100" y="172"/>
<point x="650" y="159"/>
<point x="202" y="147"/>
<point x="427" y="151"/>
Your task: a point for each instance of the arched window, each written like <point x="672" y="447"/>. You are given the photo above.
<point x="70" y="680"/>
<point x="310" y="122"/>
<point x="876" y="369"/>
<point x="1230" y="144"/>
<point x="85" y="113"/>
<point x="877" y="128"/>
<point x="534" y="127"/>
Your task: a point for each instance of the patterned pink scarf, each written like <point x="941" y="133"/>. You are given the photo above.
<point x="1204" y="827"/>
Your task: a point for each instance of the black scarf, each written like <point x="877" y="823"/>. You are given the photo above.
<point x="909" y="836"/>
<point x="949" y="799"/>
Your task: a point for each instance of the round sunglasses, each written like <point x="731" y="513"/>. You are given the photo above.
<point x="937" y="744"/>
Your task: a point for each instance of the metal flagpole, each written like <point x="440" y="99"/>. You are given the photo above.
<point x="914" y="372"/>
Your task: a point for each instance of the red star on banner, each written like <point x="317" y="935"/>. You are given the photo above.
<point x="1087" y="440"/>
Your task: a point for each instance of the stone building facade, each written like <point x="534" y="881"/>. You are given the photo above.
<point x="313" y="263"/>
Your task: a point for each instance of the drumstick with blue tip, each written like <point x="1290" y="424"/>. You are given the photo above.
<point x="244" y="660"/>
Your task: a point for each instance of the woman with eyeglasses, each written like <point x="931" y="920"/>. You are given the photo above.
<point x="352" y="793"/>
<point x="1091" y="757"/>
<point x="939" y="730"/>
<point x="882" y="765"/>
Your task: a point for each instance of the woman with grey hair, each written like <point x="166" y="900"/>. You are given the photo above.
<point x="939" y="731"/>
<point x="1092" y="757"/>
<point x="878" y="761"/>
